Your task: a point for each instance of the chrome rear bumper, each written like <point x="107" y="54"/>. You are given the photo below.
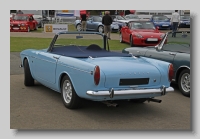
<point x="162" y="91"/>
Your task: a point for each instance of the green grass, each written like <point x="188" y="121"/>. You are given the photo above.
<point x="18" y="44"/>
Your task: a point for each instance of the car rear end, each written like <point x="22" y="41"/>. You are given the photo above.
<point x="117" y="78"/>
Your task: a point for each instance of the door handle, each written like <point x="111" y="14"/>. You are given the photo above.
<point x="172" y="53"/>
<point x="55" y="57"/>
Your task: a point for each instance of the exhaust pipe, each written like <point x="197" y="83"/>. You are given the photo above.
<point x="154" y="100"/>
<point x="110" y="104"/>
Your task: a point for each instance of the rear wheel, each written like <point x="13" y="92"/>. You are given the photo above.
<point x="28" y="29"/>
<point x="69" y="97"/>
<point x="28" y="79"/>
<point x="184" y="82"/>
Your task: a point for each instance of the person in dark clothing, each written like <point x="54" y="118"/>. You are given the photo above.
<point x="83" y="22"/>
<point x="107" y="21"/>
<point x="127" y="12"/>
<point x="19" y="12"/>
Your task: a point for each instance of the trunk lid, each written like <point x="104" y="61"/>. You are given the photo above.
<point x="127" y="71"/>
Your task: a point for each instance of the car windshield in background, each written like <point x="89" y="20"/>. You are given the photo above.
<point x="160" y="18"/>
<point x="185" y="17"/>
<point x="97" y="19"/>
<point x="132" y="17"/>
<point x="120" y="18"/>
<point x="142" y="25"/>
<point x="37" y="16"/>
<point x="79" y="40"/>
<point x="17" y="17"/>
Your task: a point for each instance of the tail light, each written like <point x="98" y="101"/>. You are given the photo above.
<point x="96" y="75"/>
<point x="170" y="72"/>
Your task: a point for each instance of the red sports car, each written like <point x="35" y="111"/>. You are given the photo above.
<point x="23" y="23"/>
<point x="140" y="33"/>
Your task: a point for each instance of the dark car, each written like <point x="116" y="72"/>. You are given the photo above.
<point x="184" y="21"/>
<point x="41" y="20"/>
<point x="176" y="53"/>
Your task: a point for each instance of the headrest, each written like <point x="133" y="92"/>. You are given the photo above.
<point x="94" y="47"/>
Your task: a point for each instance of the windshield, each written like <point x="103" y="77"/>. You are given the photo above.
<point x="17" y="17"/>
<point x="37" y="16"/>
<point x="160" y="18"/>
<point x="120" y="18"/>
<point x="79" y="40"/>
<point x="185" y="17"/>
<point x="97" y="19"/>
<point x="141" y="25"/>
<point x="131" y="17"/>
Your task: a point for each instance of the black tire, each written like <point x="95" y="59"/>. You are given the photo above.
<point x="120" y="37"/>
<point x="131" y="41"/>
<point x="184" y="82"/>
<point x="28" y="79"/>
<point x="74" y="101"/>
<point x="140" y="100"/>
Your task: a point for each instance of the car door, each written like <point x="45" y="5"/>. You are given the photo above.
<point x="45" y="66"/>
<point x="89" y="23"/>
<point x="95" y="23"/>
<point x="30" y="22"/>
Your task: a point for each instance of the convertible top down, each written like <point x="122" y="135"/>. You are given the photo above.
<point x="94" y="72"/>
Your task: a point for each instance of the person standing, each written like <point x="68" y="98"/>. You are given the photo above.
<point x="107" y="21"/>
<point x="83" y="21"/>
<point x="19" y="12"/>
<point x="175" y="20"/>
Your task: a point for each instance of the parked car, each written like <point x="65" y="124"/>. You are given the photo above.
<point x="132" y="17"/>
<point x="176" y="53"/>
<point x="120" y="20"/>
<point x="91" y="71"/>
<point x="161" y="21"/>
<point x="41" y="20"/>
<point x="94" y="23"/>
<point x="140" y="33"/>
<point x="23" y="23"/>
<point x="184" y="21"/>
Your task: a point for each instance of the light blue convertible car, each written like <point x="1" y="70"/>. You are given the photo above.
<point x="80" y="66"/>
<point x="94" y="23"/>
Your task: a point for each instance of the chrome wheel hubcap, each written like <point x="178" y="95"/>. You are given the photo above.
<point x="101" y="29"/>
<point x="78" y="27"/>
<point x="67" y="91"/>
<point x="120" y="37"/>
<point x="185" y="82"/>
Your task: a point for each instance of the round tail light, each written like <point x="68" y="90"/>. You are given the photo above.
<point x="96" y="75"/>
<point x="170" y="72"/>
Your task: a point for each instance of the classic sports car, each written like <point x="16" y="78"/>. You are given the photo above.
<point x="184" y="21"/>
<point x="94" y="23"/>
<point x="23" y="23"/>
<point x="140" y="33"/>
<point x="177" y="54"/>
<point x="161" y="21"/>
<point x="94" y="72"/>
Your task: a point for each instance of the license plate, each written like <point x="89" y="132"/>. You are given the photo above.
<point x="187" y="23"/>
<point x="165" y="25"/>
<point x="115" y="27"/>
<point x="152" y="39"/>
<point x="15" y="28"/>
